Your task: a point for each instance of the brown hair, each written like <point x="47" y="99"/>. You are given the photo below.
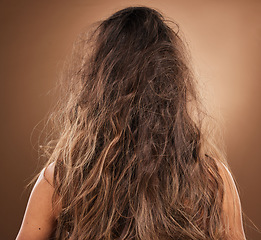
<point x="133" y="159"/>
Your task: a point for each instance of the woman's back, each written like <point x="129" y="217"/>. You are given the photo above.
<point x="40" y="219"/>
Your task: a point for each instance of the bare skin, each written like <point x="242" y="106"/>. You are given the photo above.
<point x="232" y="213"/>
<point x="39" y="220"/>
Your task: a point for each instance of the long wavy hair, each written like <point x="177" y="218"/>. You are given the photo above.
<point x="133" y="157"/>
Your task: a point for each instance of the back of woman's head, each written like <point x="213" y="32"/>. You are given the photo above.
<point x="130" y="159"/>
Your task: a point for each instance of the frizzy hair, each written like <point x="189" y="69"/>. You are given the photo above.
<point x="132" y="157"/>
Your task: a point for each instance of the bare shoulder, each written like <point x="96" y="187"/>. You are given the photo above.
<point x="48" y="176"/>
<point x="232" y="211"/>
<point x="39" y="220"/>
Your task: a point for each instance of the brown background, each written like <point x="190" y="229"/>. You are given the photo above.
<point x="224" y="37"/>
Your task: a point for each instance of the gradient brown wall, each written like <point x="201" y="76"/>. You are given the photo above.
<point x="224" y="38"/>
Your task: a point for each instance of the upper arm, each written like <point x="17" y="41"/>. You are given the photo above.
<point x="39" y="219"/>
<point x="232" y="212"/>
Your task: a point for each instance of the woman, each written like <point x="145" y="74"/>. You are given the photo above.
<point x="132" y="158"/>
